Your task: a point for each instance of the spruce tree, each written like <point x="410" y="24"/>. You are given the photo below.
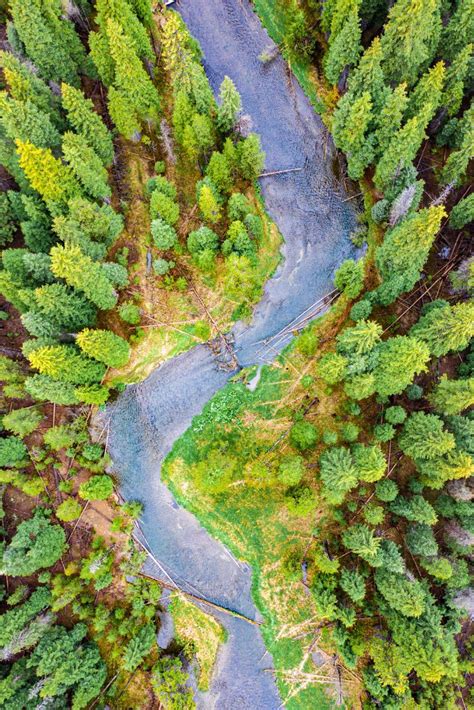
<point x="368" y="76"/>
<point x="208" y="205"/>
<point x="86" y="165"/>
<point x="426" y="96"/>
<point x="457" y="163"/>
<point x="66" y="363"/>
<point x="410" y="38"/>
<point x="338" y="474"/>
<point x="250" y="157"/>
<point x="47" y="175"/>
<point x="44" y="388"/>
<point x="344" y="48"/>
<point x="50" y="41"/>
<point x="123" y="115"/>
<point x="400" y="151"/>
<point x="360" y="339"/>
<point x="350" y="124"/>
<point x="424" y="437"/>
<point x="80" y="272"/>
<point x="105" y="346"/>
<point x="462" y="213"/>
<point x="87" y="123"/>
<point x="229" y="105"/>
<point x="459" y="30"/>
<point x="446" y="328"/>
<point x="456" y="78"/>
<point x="67" y="309"/>
<point x="131" y="78"/>
<point x="452" y="396"/>
<point x="399" y="360"/>
<point x="24" y="120"/>
<point x="124" y="13"/>
<point x="389" y="119"/>
<point x="36" y="544"/>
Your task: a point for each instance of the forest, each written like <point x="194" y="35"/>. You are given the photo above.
<point x="136" y="227"/>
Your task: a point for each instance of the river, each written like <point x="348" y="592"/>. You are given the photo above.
<point x="315" y="221"/>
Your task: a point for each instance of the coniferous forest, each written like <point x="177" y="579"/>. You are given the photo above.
<point x="137" y="229"/>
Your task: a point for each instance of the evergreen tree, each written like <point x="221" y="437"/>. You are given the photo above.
<point x="219" y="172"/>
<point x="459" y="30"/>
<point x="44" y="388"/>
<point x="22" y="421"/>
<point x="453" y="396"/>
<point x="338" y="474"/>
<point x="139" y="647"/>
<point x="462" y="213"/>
<point x="202" y="239"/>
<point x="46" y="174"/>
<point x="389" y="119"/>
<point x="456" y="165"/>
<point x="350" y="125"/>
<point x="50" y="41"/>
<point x="97" y="488"/>
<point x="66" y="363"/>
<point x="420" y="540"/>
<point x="344" y="47"/>
<point x="131" y="79"/>
<point x="368" y="76"/>
<point x="446" y="328"/>
<point x="401" y="594"/>
<point x="80" y="272"/>
<point x="24" y="120"/>
<point x="163" y="207"/>
<point x="123" y="114"/>
<point x="229" y="105"/>
<point x="424" y="437"/>
<point x="164" y="235"/>
<point x="105" y="346"/>
<point x="16" y="623"/>
<point x="406" y="246"/>
<point x="67" y="309"/>
<point x="208" y="205"/>
<point x="426" y="96"/>
<point x="360" y="540"/>
<point x="250" y="157"/>
<point x="410" y="38"/>
<point x="36" y="544"/>
<point x="86" y="165"/>
<point x="182" y="114"/>
<point x="399" y="360"/>
<point x="87" y="123"/>
<point x="360" y="339"/>
<point x="7" y="223"/>
<point x="125" y="13"/>
<point x="400" y="152"/>
<point x="370" y="462"/>
<point x="416" y="509"/>
<point x="456" y="78"/>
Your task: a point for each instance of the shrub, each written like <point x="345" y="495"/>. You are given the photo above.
<point x="303" y="435"/>
<point x="395" y="415"/>
<point x="349" y="278"/>
<point x="384" y="432"/>
<point x="291" y="470"/>
<point x="162" y="266"/>
<point x="386" y="490"/>
<point x="163" y="207"/>
<point x="36" y="544"/>
<point x="350" y="432"/>
<point x="13" y="452"/>
<point x="68" y="510"/>
<point x="307" y="342"/>
<point x="202" y="239"/>
<point x="374" y="514"/>
<point x="129" y="313"/>
<point x="97" y="488"/>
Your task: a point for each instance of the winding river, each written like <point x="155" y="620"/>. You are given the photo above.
<point x="315" y="221"/>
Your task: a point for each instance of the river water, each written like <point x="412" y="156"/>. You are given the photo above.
<point x="144" y="422"/>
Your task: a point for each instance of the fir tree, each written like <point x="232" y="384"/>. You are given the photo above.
<point x="36" y="544"/>
<point x="161" y="206"/>
<point x="219" y="172"/>
<point x="66" y="363"/>
<point x="462" y="213"/>
<point x="87" y="123"/>
<point x="86" y="165"/>
<point x="22" y="421"/>
<point x="66" y="308"/>
<point x="164" y="235"/>
<point x="131" y="78"/>
<point x="399" y="360"/>
<point x="389" y="119"/>
<point x="122" y="113"/>
<point x="208" y="205"/>
<point x="24" y="120"/>
<point x="409" y="39"/>
<point x="453" y="396"/>
<point x="459" y="30"/>
<point x="456" y="78"/>
<point x="426" y="96"/>
<point x="344" y="47"/>
<point x="44" y="388"/>
<point x="338" y="474"/>
<point x="122" y="12"/>
<point x="350" y="124"/>
<point x="401" y="594"/>
<point x="105" y="346"/>
<point x="250" y="157"/>
<point x="446" y="328"/>
<point x="360" y="339"/>
<point x="368" y="76"/>
<point x="80" y="272"/>
<point x="46" y="174"/>
<point x="369" y="461"/>
<point x="456" y="165"/>
<point x="50" y="42"/>
<point x="229" y="105"/>
<point x="424" y="437"/>
<point x="400" y="151"/>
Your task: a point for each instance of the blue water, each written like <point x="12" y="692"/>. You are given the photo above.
<point x="147" y="418"/>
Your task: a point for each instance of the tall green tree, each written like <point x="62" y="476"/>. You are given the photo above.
<point x="86" y="165"/>
<point x="47" y="175"/>
<point x="410" y="38"/>
<point x="105" y="346"/>
<point x="66" y="363"/>
<point x="87" y="123"/>
<point x="424" y="437"/>
<point x="453" y="396"/>
<point x="80" y="272"/>
<point x="456" y="79"/>
<point x="350" y="125"/>
<point x="389" y="119"/>
<point x="400" y="151"/>
<point x="456" y="165"/>
<point x="426" y="96"/>
<point x="459" y="31"/>
<point x="229" y="105"/>
<point x="24" y="120"/>
<point x="399" y="360"/>
<point x="344" y="47"/>
<point x="446" y="328"/>
<point x="37" y="544"/>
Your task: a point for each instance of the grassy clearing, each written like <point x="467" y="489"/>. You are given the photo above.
<point x="251" y="514"/>
<point x="199" y="634"/>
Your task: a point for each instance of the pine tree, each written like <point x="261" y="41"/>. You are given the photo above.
<point x="87" y="123"/>
<point x="50" y="42"/>
<point x="399" y="360"/>
<point x="122" y="12"/>
<point x="36" y="544"/>
<point x="23" y="120"/>
<point x="46" y="174"/>
<point x="80" y="272"/>
<point x="459" y="30"/>
<point x="24" y="85"/>
<point x="401" y="151"/>
<point x="105" y="346"/>
<point x="86" y="165"/>
<point x="389" y="119"/>
<point x="350" y="124"/>
<point x="229" y="105"/>
<point x="208" y="205"/>
<point x="131" y="78"/>
<point x="409" y="243"/>
<point x="452" y="396"/>
<point x="446" y="328"/>
<point x="410" y="38"/>
<point x="67" y="309"/>
<point x="66" y="363"/>
<point x="123" y="115"/>
<point x="360" y="339"/>
<point x="178" y="53"/>
<point x="456" y="78"/>
<point x="456" y="165"/>
<point x="250" y="157"/>
<point x="426" y="96"/>
<point x="44" y="388"/>
<point x="100" y="55"/>
<point x="344" y="48"/>
<point x="462" y="213"/>
<point x="338" y="474"/>
<point x="368" y="76"/>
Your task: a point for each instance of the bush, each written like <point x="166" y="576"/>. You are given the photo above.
<point x="13" y="452"/>
<point x="395" y="415"/>
<point x="307" y="342"/>
<point x="129" y="313"/>
<point x="361" y="310"/>
<point x="291" y="470"/>
<point x="384" y="432"/>
<point x="163" y="207"/>
<point x="97" y="488"/>
<point x="332" y="368"/>
<point x="374" y="514"/>
<point x="202" y="239"/>
<point x="162" y="266"/>
<point x="164" y="236"/>
<point x="303" y="435"/>
<point x="238" y="207"/>
<point x="349" y="278"/>
<point x="68" y="510"/>
<point x="350" y="432"/>
<point x="386" y="490"/>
